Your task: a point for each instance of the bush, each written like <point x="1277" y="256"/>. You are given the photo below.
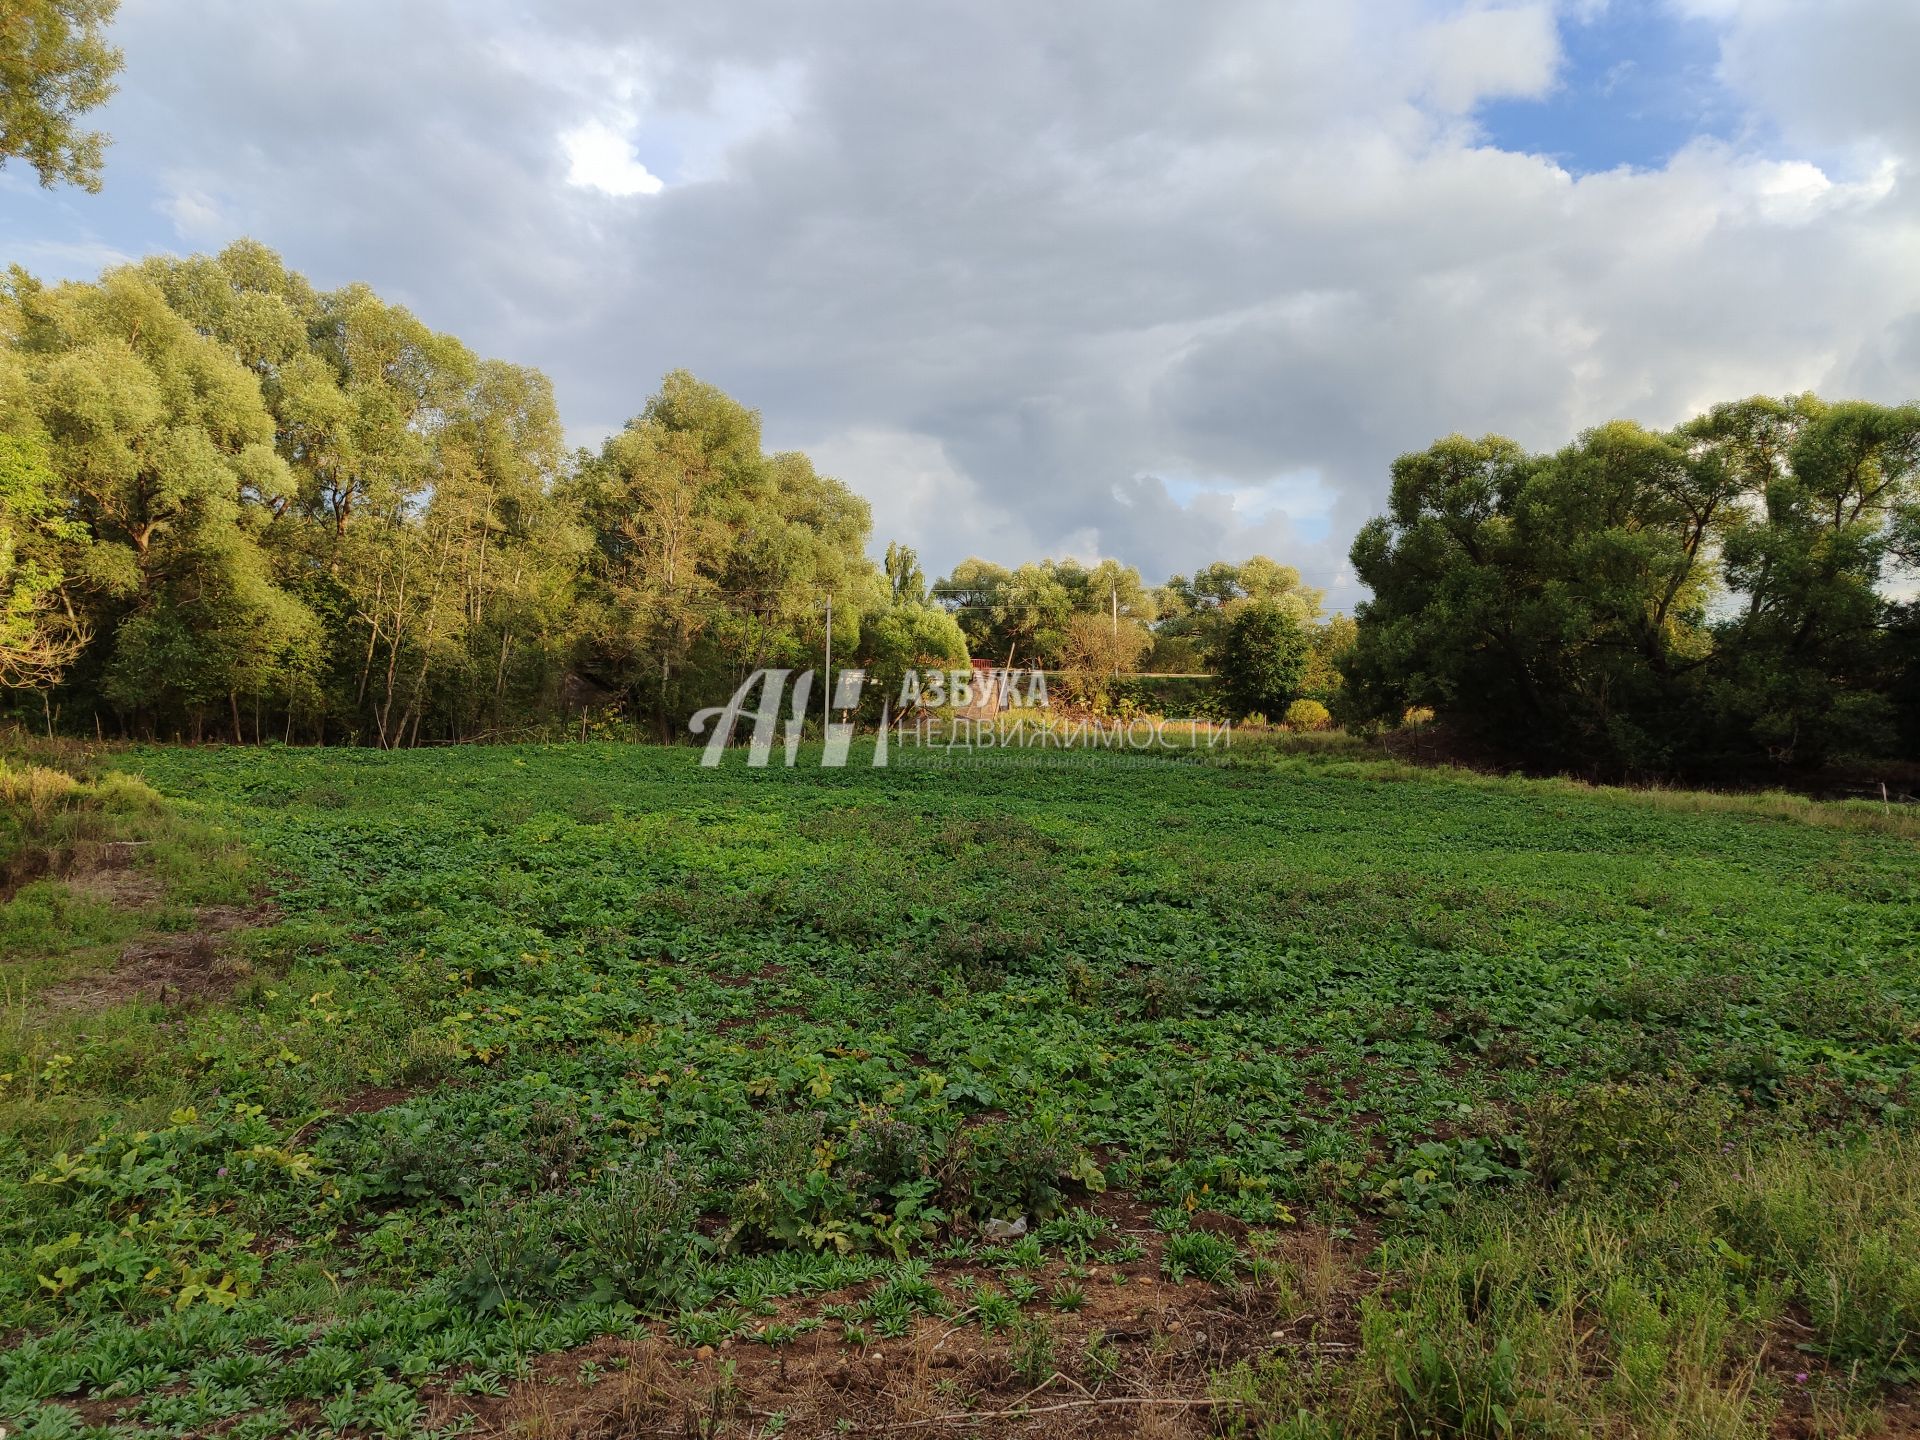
<point x="505" y="1253"/>
<point x="1263" y="659"/>
<point x="1618" y="1137"/>
<point x="1308" y="715"/>
<point x="1009" y="1168"/>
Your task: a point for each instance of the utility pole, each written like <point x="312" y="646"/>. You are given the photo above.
<point x="1116" y="613"/>
<point x="826" y="690"/>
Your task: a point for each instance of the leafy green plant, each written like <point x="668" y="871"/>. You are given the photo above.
<point x="1030" y="1349"/>
<point x="1617" y="1136"/>
<point x="506" y="1254"/>
<point x="635" y="1230"/>
<point x="1197" y="1253"/>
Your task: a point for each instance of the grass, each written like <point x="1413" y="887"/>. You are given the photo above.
<point x="545" y="1043"/>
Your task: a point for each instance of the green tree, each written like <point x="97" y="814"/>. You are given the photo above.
<point x="1194" y="613"/>
<point x="38" y="637"/>
<point x="1705" y="599"/>
<point x="1025" y="613"/>
<point x="905" y="578"/>
<point x="710" y="558"/>
<point x="166" y="451"/>
<point x="906" y="636"/>
<point x="1830" y="490"/>
<point x="55" y="65"/>
<point x="1262" y="659"/>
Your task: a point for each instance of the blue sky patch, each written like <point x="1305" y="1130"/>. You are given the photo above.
<point x="1637" y="82"/>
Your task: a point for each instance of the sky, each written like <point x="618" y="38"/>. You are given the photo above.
<point x="1171" y="283"/>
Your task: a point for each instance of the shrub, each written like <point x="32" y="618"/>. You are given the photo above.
<point x="1625" y="1137"/>
<point x="505" y="1253"/>
<point x="1007" y="1168"/>
<point x="1308" y="715"/>
<point x="885" y="1153"/>
<point x="406" y="1157"/>
<point x="786" y="1195"/>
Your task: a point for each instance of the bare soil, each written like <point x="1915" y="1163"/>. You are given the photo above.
<point x="188" y="967"/>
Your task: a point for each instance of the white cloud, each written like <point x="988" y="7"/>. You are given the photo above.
<point x="919" y="494"/>
<point x="1487" y="52"/>
<point x="196" y="216"/>
<point x="601" y="158"/>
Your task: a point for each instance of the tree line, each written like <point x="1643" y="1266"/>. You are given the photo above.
<point x="230" y="503"/>
<point x="235" y="506"/>
<point x="1730" y="596"/>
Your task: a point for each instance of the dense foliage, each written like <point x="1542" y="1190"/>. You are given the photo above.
<point x="235" y="506"/>
<point x="1714" y="598"/>
<point x="1262" y="659"/>
<point x="55" y="65"/>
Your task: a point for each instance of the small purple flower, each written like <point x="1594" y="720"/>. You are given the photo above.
<point x="1800" y="1378"/>
<point x="221" y="1173"/>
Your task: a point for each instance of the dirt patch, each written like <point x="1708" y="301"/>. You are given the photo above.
<point x="944" y="1377"/>
<point x="181" y="969"/>
<point x="765" y="975"/>
<point x="98" y="869"/>
<point x="1136" y="1357"/>
<point x="115" y="879"/>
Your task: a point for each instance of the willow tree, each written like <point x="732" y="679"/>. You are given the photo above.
<point x="1197" y="610"/>
<point x="422" y="524"/>
<point x="1706" y="598"/>
<point x="39" y="634"/>
<point x="164" y="447"/>
<point x="55" y="65"/>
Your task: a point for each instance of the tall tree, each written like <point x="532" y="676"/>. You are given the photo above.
<point x="711" y="558"/>
<point x="55" y="65"/>
<point x="1198" y="610"/>
<point x="1708" y="598"/>
<point x="165" y="447"/>
<point x="1026" y="613"/>
<point x="39" y="637"/>
<point x="1263" y="657"/>
<point x="905" y="578"/>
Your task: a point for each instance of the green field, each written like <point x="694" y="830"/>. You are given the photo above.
<point x="1469" y="1106"/>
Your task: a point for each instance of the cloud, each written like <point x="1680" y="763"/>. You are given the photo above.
<point x="1837" y="74"/>
<point x="600" y="158"/>
<point x="196" y="216"/>
<point x="1054" y="280"/>
<point x="1488" y="53"/>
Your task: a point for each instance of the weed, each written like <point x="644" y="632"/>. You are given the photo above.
<point x="1030" y="1347"/>
<point x="1196" y="1253"/>
<point x="635" y="1229"/>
